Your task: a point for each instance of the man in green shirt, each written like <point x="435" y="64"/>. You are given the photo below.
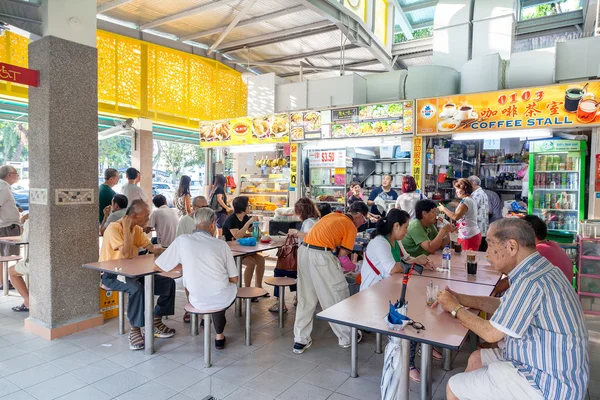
<point x="423" y="237"/>
<point x="105" y="192"/>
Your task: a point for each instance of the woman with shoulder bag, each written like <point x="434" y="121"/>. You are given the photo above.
<point x="286" y="266"/>
<point x="383" y="258"/>
<point x="218" y="202"/>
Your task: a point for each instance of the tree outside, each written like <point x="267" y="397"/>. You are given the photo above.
<point x="14" y="142"/>
<point x="176" y="157"/>
<point x="400" y="37"/>
<point x="114" y="152"/>
<point x="550" y="8"/>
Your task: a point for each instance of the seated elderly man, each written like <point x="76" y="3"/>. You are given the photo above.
<point x="187" y="224"/>
<point x="122" y="240"/>
<point x="209" y="271"/>
<point x="540" y="319"/>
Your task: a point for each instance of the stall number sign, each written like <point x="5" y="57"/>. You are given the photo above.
<point x="293" y="166"/>
<point x="327" y="158"/>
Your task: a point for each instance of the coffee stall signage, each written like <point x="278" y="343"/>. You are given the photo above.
<point x="15" y="74"/>
<point x="363" y="121"/>
<point x="245" y="130"/>
<point x="558" y="106"/>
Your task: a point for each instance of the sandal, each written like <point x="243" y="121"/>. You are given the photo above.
<point x="436" y="355"/>
<point x="21" y="308"/>
<point x="415" y="377"/>
<point x="295" y="301"/>
<point x="136" y="340"/>
<point x="275" y="307"/>
<point x="186" y="317"/>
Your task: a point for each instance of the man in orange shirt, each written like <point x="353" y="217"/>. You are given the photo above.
<point x="122" y="239"/>
<point x="320" y="275"/>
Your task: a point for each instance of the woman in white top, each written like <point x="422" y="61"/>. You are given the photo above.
<point x="383" y="257"/>
<point x="409" y="197"/>
<point x="307" y="210"/>
<point x="469" y="235"/>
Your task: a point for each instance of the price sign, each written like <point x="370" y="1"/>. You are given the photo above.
<point x="327" y="158"/>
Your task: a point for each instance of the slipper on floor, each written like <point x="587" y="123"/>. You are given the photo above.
<point x="186" y="317"/>
<point x="21" y="308"/>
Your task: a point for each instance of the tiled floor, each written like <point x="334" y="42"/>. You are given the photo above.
<point x="98" y="365"/>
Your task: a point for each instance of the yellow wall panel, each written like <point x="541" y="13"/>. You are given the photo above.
<point x="140" y="79"/>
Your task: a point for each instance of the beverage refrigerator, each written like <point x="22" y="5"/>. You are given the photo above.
<point x="557" y="184"/>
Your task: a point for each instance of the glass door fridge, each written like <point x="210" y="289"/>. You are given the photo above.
<point x="557" y="184"/>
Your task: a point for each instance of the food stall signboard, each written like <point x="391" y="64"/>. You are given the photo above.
<point x="245" y="131"/>
<point x="558" y="106"/>
<point x="363" y="121"/>
<point x="556" y="145"/>
<point x="327" y="158"/>
<point x="417" y="160"/>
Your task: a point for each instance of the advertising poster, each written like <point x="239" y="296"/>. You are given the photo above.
<point x="561" y="106"/>
<point x="245" y="131"/>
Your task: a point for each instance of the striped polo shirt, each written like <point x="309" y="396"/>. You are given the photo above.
<point x="546" y="336"/>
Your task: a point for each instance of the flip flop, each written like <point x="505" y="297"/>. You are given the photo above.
<point x="21" y="308"/>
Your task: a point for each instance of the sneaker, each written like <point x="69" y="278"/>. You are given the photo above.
<point x="347" y="346"/>
<point x="299" y="347"/>
<point x="136" y="340"/>
<point x="161" y="330"/>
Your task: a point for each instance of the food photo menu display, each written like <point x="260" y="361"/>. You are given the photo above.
<point x="350" y="122"/>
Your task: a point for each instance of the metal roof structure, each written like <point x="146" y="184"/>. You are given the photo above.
<point x="312" y="38"/>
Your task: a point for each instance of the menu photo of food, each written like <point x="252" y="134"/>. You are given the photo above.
<point x="262" y="127"/>
<point x="297" y="133"/>
<point x="297" y="119"/>
<point x="280" y="125"/>
<point x="365" y="112"/>
<point x="408" y="125"/>
<point x="380" y="127"/>
<point x="380" y="111"/>
<point x="338" y="131"/>
<point x="365" y="128"/>
<point x="395" y="127"/>
<point x="395" y="110"/>
<point x="352" y="130"/>
<point x="215" y="131"/>
<point x="312" y="121"/>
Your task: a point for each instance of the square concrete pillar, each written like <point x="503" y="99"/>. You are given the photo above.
<point x="63" y="162"/>
<point x="142" y="148"/>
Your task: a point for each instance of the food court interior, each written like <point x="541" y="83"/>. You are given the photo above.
<point x="340" y="102"/>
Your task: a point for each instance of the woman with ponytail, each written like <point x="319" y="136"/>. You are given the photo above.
<point x="383" y="258"/>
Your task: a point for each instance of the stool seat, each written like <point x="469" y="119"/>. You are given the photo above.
<point x="280" y="281"/>
<point x="191" y="309"/>
<point x="250" y="292"/>
<point x="10" y="258"/>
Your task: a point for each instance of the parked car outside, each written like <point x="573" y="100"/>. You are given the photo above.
<point x="165" y="189"/>
<point x="21" y="196"/>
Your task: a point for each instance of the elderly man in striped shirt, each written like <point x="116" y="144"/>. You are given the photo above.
<point x="544" y="353"/>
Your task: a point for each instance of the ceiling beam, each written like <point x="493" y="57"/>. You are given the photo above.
<point x="312" y="53"/>
<point x="187" y="13"/>
<point x="590" y="12"/>
<point x="421" y="25"/>
<point x="22" y="17"/>
<point x="352" y="67"/>
<point x="246" y="22"/>
<point x="403" y="21"/>
<point x="355" y="31"/>
<point x="110" y="5"/>
<point x="276" y="37"/>
<point x="236" y="20"/>
<point x="305" y="66"/>
<point x="419" y="6"/>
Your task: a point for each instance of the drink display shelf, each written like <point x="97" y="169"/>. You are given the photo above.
<point x="555" y="190"/>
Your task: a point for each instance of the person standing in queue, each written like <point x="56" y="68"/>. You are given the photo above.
<point x="409" y="197"/>
<point x="131" y="190"/>
<point x="469" y="235"/>
<point x="182" y="198"/>
<point x="483" y="209"/>
<point x="383" y="193"/>
<point x="218" y="202"/>
<point x="320" y="275"/>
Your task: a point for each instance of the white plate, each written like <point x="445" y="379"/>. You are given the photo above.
<point x="443" y="126"/>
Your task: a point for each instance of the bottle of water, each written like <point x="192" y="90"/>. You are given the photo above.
<point x="446" y="258"/>
<point x="255" y="231"/>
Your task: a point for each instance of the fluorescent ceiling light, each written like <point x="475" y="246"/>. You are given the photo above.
<point x="117" y="21"/>
<point x="253" y="149"/>
<point x="522" y="134"/>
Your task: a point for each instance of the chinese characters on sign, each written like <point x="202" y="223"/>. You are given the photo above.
<point x="327" y="158"/>
<point x="345" y="115"/>
<point x="293" y="166"/>
<point x="557" y="106"/>
<point x="24" y="76"/>
<point x="417" y="157"/>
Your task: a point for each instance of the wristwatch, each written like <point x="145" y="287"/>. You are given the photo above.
<point x="455" y="311"/>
